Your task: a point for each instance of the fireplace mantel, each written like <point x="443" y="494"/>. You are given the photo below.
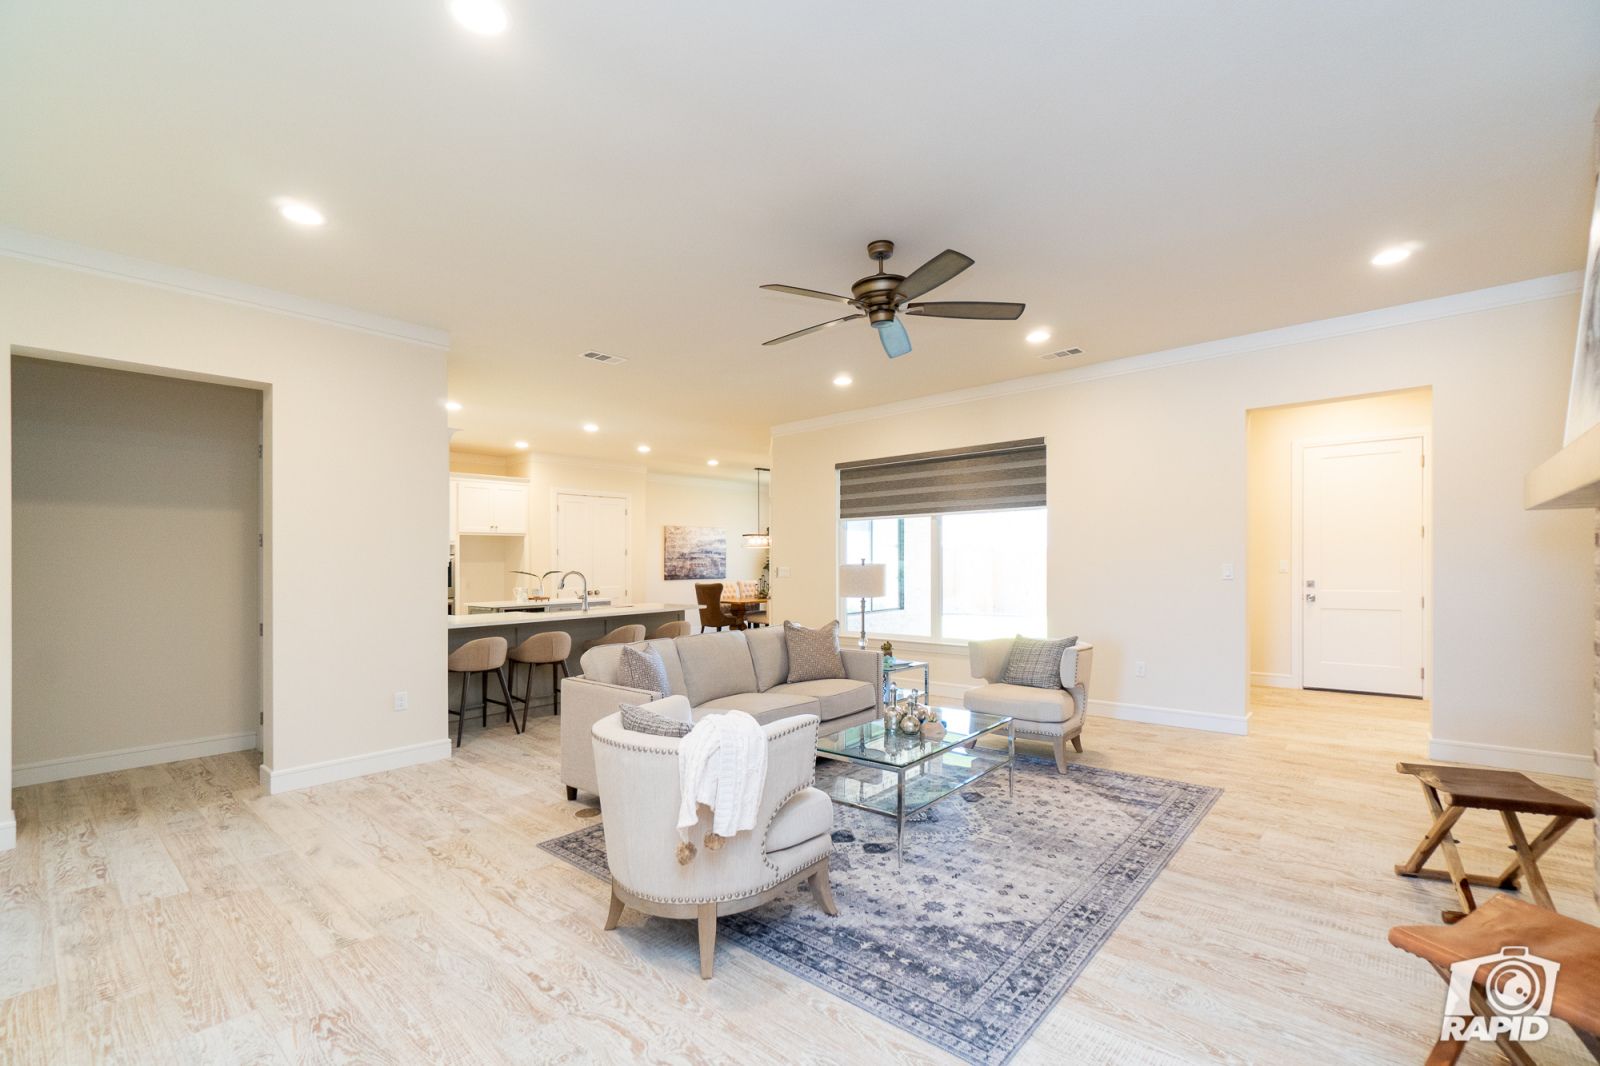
<point x="1569" y="479"/>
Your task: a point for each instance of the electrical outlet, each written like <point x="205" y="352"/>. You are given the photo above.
<point x="783" y="571"/>
<point x="1138" y="669"/>
<point x="1227" y="571"/>
<point x="402" y="701"/>
<point x="1283" y="566"/>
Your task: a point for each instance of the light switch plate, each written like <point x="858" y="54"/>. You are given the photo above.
<point x="402" y="701"/>
<point x="783" y="571"/>
<point x="1283" y="566"/>
<point x="1227" y="571"/>
<point x="1138" y="669"/>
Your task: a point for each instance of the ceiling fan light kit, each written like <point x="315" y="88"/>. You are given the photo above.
<point x="882" y="299"/>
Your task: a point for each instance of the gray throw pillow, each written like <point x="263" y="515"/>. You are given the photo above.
<point x="643" y="720"/>
<point x="642" y="668"/>
<point x="1036" y="663"/>
<point x="813" y="653"/>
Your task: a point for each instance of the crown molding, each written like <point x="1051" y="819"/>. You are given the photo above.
<point x="33" y="248"/>
<point x="556" y="459"/>
<point x="1517" y="292"/>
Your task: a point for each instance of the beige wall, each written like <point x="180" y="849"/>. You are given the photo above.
<point x="1272" y="434"/>
<point x="1147" y="482"/>
<point x="136" y="499"/>
<point x="475" y="463"/>
<point x="356" y="516"/>
<point x="684" y="501"/>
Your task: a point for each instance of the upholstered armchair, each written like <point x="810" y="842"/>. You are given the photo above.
<point x="791" y="841"/>
<point x="1054" y="714"/>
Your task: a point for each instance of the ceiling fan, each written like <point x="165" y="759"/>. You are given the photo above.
<point x="883" y="298"/>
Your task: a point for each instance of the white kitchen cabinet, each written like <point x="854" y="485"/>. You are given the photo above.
<point x="491" y="506"/>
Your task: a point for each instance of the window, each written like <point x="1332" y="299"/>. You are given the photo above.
<point x="962" y="576"/>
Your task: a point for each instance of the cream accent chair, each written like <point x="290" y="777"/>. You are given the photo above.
<point x="1054" y="714"/>
<point x="791" y="841"/>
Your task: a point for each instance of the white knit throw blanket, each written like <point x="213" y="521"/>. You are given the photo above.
<point x="722" y="763"/>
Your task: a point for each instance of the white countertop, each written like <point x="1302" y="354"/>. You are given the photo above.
<point x="536" y="618"/>
<point x="563" y="604"/>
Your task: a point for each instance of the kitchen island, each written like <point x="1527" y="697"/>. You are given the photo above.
<point x="585" y="627"/>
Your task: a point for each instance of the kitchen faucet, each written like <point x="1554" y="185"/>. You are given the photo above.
<point x="585" y="581"/>
<point x="536" y="577"/>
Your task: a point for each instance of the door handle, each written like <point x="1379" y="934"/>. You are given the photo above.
<point x="1311" y="597"/>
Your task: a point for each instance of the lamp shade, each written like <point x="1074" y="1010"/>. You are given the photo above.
<point x="862" y="580"/>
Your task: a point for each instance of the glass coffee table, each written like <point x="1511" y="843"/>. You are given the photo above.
<point x="888" y="772"/>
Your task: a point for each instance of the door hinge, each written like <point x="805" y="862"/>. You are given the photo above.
<point x="261" y="451"/>
<point x="1424" y="602"/>
<point x="261" y="629"/>
<point x="1423" y="533"/>
<point x="1422" y="672"/>
<point x="1424" y="461"/>
<point x="261" y="540"/>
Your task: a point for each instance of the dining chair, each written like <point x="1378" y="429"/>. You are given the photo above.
<point x="709" y="595"/>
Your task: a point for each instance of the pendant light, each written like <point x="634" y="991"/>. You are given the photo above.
<point x="762" y="539"/>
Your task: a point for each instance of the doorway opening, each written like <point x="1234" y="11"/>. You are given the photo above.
<point x="1339" y="545"/>
<point x="138" y="556"/>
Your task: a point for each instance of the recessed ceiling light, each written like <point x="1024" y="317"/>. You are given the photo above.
<point x="1397" y="253"/>
<point x="299" y="212"/>
<point x="487" y="17"/>
<point x="843" y="380"/>
<point x="644" y="448"/>
<point x="1038" y="336"/>
<point x="711" y="462"/>
<point x="522" y="444"/>
<point x="590" y="427"/>
<point x="452" y="405"/>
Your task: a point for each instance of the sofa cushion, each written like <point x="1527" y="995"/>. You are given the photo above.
<point x="769" y="650"/>
<point x="808" y="814"/>
<point x="601" y="663"/>
<point x="764" y="707"/>
<point x="643" y="668"/>
<point x="836" y="697"/>
<point x="1036" y="663"/>
<point x="715" y="665"/>
<point x="813" y="653"/>
<point x="1023" y="702"/>
<point x="669" y="717"/>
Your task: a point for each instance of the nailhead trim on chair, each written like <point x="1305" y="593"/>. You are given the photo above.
<point x="777" y="879"/>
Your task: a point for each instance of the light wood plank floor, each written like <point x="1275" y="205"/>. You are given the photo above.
<point x="174" y="914"/>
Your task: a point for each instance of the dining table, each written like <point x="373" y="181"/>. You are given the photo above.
<point x="741" y="607"/>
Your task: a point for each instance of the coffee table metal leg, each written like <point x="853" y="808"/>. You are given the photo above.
<point x="900" y="817"/>
<point x="1011" y="761"/>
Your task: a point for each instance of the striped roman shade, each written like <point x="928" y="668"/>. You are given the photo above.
<point x="988" y="477"/>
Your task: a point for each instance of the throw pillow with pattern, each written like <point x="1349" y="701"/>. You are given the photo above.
<point x="642" y="668"/>
<point x="813" y="653"/>
<point x="1036" y="663"/>
<point x="643" y="720"/>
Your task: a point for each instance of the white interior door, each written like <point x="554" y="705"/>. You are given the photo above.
<point x="592" y="538"/>
<point x="1362" y="566"/>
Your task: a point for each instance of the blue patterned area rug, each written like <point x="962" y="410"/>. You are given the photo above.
<point x="1001" y="904"/>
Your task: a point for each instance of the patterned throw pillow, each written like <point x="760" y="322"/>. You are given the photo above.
<point x="642" y="668"/>
<point x="1036" y="663"/>
<point x="643" y="720"/>
<point x="813" y="653"/>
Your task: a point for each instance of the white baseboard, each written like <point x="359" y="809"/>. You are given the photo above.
<point x="8" y="832"/>
<point x="1236" y="724"/>
<point x="1506" y="757"/>
<point x="373" y="762"/>
<point x="105" y="762"/>
<point x="1274" y="680"/>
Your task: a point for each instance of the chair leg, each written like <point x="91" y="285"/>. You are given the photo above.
<point x="1060" y="746"/>
<point x="1077" y="744"/>
<point x="461" y="715"/>
<point x="822" y="890"/>
<point x="572" y="793"/>
<point x="708" y="939"/>
<point x="505" y="690"/>
<point x="615" y="914"/>
<point x="561" y="668"/>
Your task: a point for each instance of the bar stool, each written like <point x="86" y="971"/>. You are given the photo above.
<point x="484" y="656"/>
<point x="672" y="629"/>
<point x="550" y="649"/>
<point x="630" y="634"/>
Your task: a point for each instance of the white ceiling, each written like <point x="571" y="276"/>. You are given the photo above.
<point x="622" y="176"/>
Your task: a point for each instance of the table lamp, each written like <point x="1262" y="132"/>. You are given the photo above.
<point x="862" y="580"/>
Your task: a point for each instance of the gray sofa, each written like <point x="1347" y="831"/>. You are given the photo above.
<point x="743" y="670"/>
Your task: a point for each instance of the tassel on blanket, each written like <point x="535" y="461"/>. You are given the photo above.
<point x="714" y="842"/>
<point x="685" y="853"/>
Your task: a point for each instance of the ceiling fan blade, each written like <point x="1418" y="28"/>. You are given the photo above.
<point x="967" y="309"/>
<point x="935" y="272"/>
<point x="896" y="341"/>
<point x="795" y="290"/>
<point x="809" y="329"/>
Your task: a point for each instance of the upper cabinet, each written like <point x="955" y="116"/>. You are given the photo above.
<point x="491" y="506"/>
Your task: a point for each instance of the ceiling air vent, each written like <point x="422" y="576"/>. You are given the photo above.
<point x="602" y="357"/>
<point x="1064" y="353"/>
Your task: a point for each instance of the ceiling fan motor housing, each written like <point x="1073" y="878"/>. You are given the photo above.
<point x="876" y="296"/>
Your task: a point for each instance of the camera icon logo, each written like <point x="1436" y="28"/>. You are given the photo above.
<point x="1518" y="989"/>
